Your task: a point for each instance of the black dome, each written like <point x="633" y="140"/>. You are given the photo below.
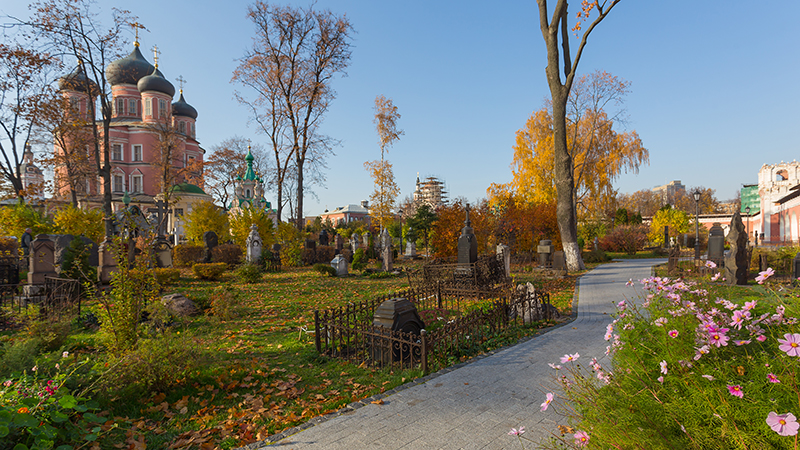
<point x="181" y="108"/>
<point x="156" y="82"/>
<point x="76" y="81"/>
<point x="129" y="69"/>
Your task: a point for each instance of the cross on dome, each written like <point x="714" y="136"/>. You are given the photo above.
<point x="155" y="56"/>
<point x="136" y="27"/>
<point x="180" y="81"/>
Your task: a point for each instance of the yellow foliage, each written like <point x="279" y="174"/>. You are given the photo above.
<point x="75" y="221"/>
<point x="675" y="219"/>
<point x="241" y="222"/>
<point x="386" y="191"/>
<point x="206" y="216"/>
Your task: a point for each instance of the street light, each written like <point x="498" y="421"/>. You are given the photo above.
<point x="400" y="212"/>
<point x="696" y="195"/>
<point x="747" y="211"/>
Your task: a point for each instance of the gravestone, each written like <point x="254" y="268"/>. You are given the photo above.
<point x="107" y="265"/>
<point x="467" y="243"/>
<point x="737" y="264"/>
<point x="276" y="252"/>
<point x="545" y="252"/>
<point x="716" y="242"/>
<point x="340" y="264"/>
<point x="62" y="243"/>
<point x="254" y="245"/>
<point x="411" y="249"/>
<point x="163" y="252"/>
<point x="323" y="237"/>
<point x="559" y="261"/>
<point x="354" y="242"/>
<point x="504" y="254"/>
<point x="339" y="243"/>
<point x="666" y="237"/>
<point x="311" y="244"/>
<point x="210" y="240"/>
<point x="397" y="314"/>
<point x="42" y="260"/>
<point x="365" y="239"/>
<point x="386" y="250"/>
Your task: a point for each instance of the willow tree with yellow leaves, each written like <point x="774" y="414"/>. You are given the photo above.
<point x="599" y="153"/>
<point x="386" y="191"/>
<point x="556" y="33"/>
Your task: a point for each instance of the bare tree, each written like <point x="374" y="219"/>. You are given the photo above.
<point x="555" y="32"/>
<point x="227" y="162"/>
<point x="295" y="55"/>
<point x="23" y="86"/>
<point x="74" y="30"/>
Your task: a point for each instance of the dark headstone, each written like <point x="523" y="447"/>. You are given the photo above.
<point x="311" y="244"/>
<point x="339" y="244"/>
<point x="62" y="243"/>
<point x="397" y="314"/>
<point x="559" y="261"/>
<point x="323" y="238"/>
<point x="210" y="240"/>
<point x="545" y="252"/>
<point x="666" y="236"/>
<point x="716" y="242"/>
<point x="467" y="244"/>
<point x="42" y="259"/>
<point x="737" y="263"/>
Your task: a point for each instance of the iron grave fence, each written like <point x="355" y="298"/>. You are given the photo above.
<point x="349" y="333"/>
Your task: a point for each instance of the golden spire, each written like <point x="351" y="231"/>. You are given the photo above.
<point x="136" y="26"/>
<point x="155" y="55"/>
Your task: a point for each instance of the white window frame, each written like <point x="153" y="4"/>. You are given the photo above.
<point x="148" y="109"/>
<point x="162" y="108"/>
<point x="120" y="104"/>
<point x="132" y="108"/>
<point x="117" y="181"/>
<point x="137" y="180"/>
<point x="114" y="155"/>
<point x="181" y="127"/>
<point x="136" y="154"/>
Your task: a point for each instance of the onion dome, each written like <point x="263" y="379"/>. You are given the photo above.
<point x="128" y="70"/>
<point x="156" y="82"/>
<point x="181" y="108"/>
<point x="76" y="81"/>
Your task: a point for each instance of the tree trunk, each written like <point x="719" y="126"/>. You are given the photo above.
<point x="299" y="215"/>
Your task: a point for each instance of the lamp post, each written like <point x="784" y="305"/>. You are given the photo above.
<point x="747" y="211"/>
<point x="400" y="213"/>
<point x="696" y="195"/>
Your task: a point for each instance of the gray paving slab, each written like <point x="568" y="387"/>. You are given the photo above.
<point x="474" y="406"/>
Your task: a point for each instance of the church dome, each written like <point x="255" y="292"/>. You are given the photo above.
<point x="76" y="81"/>
<point x="128" y="70"/>
<point x="156" y="82"/>
<point x="181" y="108"/>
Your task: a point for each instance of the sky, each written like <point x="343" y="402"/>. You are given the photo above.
<point x="713" y="85"/>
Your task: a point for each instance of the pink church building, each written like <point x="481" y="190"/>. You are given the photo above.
<point x="142" y="101"/>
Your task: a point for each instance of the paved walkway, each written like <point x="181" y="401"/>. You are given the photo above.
<point x="474" y="406"/>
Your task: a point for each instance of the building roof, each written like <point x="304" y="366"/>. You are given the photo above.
<point x="353" y="209"/>
<point x="130" y="69"/>
<point x="187" y="188"/>
<point x="181" y="108"/>
<point x="156" y="82"/>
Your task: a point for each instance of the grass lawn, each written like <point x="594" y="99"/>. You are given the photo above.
<point x="252" y="369"/>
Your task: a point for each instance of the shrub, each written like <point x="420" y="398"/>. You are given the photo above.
<point x="184" y="255"/>
<point x="206" y="216"/>
<point x="249" y="273"/>
<point x="76" y="263"/>
<point x="244" y="218"/>
<point x="226" y="303"/>
<point x="359" y="260"/>
<point x="227" y="253"/>
<point x="596" y="256"/>
<point x="292" y="242"/>
<point x="50" y="333"/>
<point x="19" y="355"/>
<point x="209" y="271"/>
<point x="14" y="220"/>
<point x="625" y="238"/>
<point x="75" y="221"/>
<point x="325" y="254"/>
<point x="325" y="269"/>
<point x="308" y="256"/>
<point x="166" y="276"/>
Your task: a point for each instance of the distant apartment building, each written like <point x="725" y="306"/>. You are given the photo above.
<point x="670" y="191"/>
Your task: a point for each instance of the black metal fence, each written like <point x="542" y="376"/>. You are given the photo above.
<point x="484" y="278"/>
<point x="58" y="297"/>
<point x="349" y="333"/>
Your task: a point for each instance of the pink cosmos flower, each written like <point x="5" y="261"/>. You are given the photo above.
<point x="783" y="424"/>
<point x="582" y="438"/>
<point x="718" y="337"/>
<point x="629" y="283"/>
<point x="516" y="432"/>
<point x="791" y="345"/>
<point x="547" y="401"/>
<point x="708" y="377"/>
<point x="554" y="366"/>
<point x="663" y="365"/>
<point x="762" y="276"/>
<point x="711" y="265"/>
<point x="761" y="338"/>
<point x="750" y="305"/>
<point x="660" y="380"/>
<point x="673" y="333"/>
<point x="735" y="390"/>
<point x="568" y="358"/>
<point x="772" y="378"/>
<point x="660" y="321"/>
<point x="740" y="342"/>
<point x="716" y="276"/>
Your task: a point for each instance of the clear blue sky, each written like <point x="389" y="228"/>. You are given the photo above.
<point x="714" y="91"/>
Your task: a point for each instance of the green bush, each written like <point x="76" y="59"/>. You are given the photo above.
<point x="19" y="355"/>
<point x="209" y="271"/>
<point x="595" y="256"/>
<point x="359" y="260"/>
<point x="49" y="333"/>
<point x="325" y="269"/>
<point x="76" y="263"/>
<point x="166" y="276"/>
<point x="184" y="255"/>
<point x="227" y="253"/>
<point x="249" y="273"/>
<point x="325" y="254"/>
<point x="226" y="303"/>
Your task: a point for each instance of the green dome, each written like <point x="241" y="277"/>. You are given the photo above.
<point x="187" y="188"/>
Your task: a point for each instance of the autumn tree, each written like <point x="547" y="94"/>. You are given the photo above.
<point x="74" y="30"/>
<point x="296" y="53"/>
<point x="646" y="202"/>
<point x="676" y="220"/>
<point x="206" y="216"/>
<point x="450" y="222"/>
<point x="556" y="31"/>
<point x="227" y="162"/>
<point x="384" y="196"/>
<point x="422" y="223"/>
<point x="23" y="86"/>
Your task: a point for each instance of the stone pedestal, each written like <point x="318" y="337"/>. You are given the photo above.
<point x="163" y="252"/>
<point x="411" y="249"/>
<point x="545" y="252"/>
<point x="467" y="244"/>
<point x="107" y="263"/>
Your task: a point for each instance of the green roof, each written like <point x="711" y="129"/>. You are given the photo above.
<point x="187" y="188"/>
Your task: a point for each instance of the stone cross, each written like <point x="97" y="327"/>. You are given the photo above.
<point x="467" y="243"/>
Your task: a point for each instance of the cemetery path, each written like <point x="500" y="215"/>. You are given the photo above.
<point x="475" y="405"/>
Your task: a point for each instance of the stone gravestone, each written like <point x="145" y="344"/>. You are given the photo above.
<point x="340" y="264"/>
<point x="254" y="245"/>
<point x="323" y="237"/>
<point x="386" y="250"/>
<point x="559" y="261"/>
<point x="276" y="253"/>
<point x="210" y="240"/>
<point x="42" y="260"/>
<point x="62" y="243"/>
<point x="666" y="237"/>
<point x="545" y="252"/>
<point x="354" y="242"/>
<point x="737" y="263"/>
<point x="339" y="244"/>
<point x="365" y="239"/>
<point x="467" y="243"/>
<point x="163" y="252"/>
<point x="716" y="243"/>
<point x="504" y="253"/>
<point x="411" y="249"/>
<point x="106" y="262"/>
